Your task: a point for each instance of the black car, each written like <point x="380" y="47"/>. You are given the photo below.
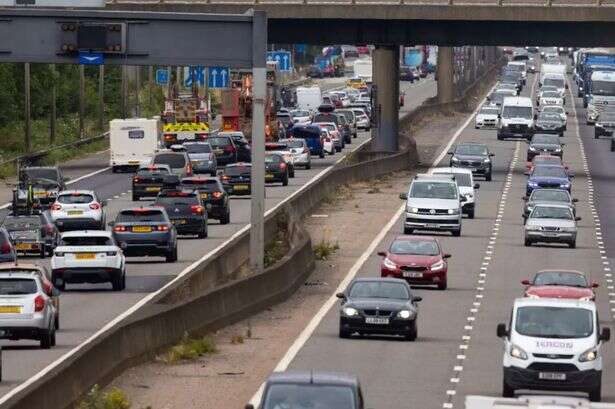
<point x="276" y="169"/>
<point x="473" y="156"/>
<point x="49" y="231"/>
<point x="213" y="195"/>
<point x="605" y="124"/>
<point x="244" y="152"/>
<point x="407" y="73"/>
<point x="186" y="211"/>
<point x="224" y="148"/>
<point x="344" y="127"/>
<point x="26" y="233"/>
<point x="202" y="158"/>
<point x="237" y="179"/>
<point x="145" y="231"/>
<point x="548" y="122"/>
<point x="378" y="306"/>
<point x="314" y="71"/>
<point x="311" y="389"/>
<point x="7" y="250"/>
<point x="544" y="144"/>
<point x="151" y="180"/>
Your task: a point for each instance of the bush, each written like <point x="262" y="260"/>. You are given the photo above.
<point x="189" y="349"/>
<point x="97" y="399"/>
<point x="325" y="249"/>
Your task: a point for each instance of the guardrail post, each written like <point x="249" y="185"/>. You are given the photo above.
<point x="54" y="114"/>
<point x="81" y="100"/>
<point x="27" y="116"/>
<point x="101" y="97"/>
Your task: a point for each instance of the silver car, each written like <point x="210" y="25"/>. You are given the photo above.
<point x="299" y="151"/>
<point x="26" y="311"/>
<point x="551" y="223"/>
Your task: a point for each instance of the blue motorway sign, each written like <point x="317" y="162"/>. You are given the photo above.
<point x="219" y="77"/>
<point x="196" y="74"/>
<point x="162" y="76"/>
<point x="91" y="58"/>
<point x="283" y="59"/>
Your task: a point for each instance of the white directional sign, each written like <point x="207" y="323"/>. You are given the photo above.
<point x="219" y="77"/>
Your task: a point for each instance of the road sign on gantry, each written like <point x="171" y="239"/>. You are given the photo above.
<point x="219" y="77"/>
<point x="283" y="58"/>
<point x="162" y="76"/>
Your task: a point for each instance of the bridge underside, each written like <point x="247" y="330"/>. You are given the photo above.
<point x="419" y="24"/>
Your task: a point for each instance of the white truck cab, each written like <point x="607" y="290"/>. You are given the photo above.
<point x="599" y="95"/>
<point x="516" y="118"/>
<point x="553" y="345"/>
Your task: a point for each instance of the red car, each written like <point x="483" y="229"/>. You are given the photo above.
<point x="416" y="259"/>
<point x="543" y="160"/>
<point x="560" y="284"/>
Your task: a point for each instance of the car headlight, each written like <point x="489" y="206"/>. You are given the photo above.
<point x="437" y="266"/>
<point x="532" y="227"/>
<point x="453" y="211"/>
<point x="406" y="314"/>
<point x="565" y="185"/>
<point x="454" y="159"/>
<point x="414" y="210"/>
<point x="350" y="312"/>
<point x="517" y="352"/>
<point x="389" y="264"/>
<point x="531" y="183"/>
<point x="589" y="355"/>
<point x="558" y="149"/>
<point x="486" y="160"/>
<point x="469" y="196"/>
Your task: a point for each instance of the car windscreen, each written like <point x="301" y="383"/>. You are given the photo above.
<point x="293" y="143"/>
<point x="325" y="118"/>
<point x="472" y="150"/>
<point x="219" y="141"/>
<point x="551" y="212"/>
<point x="174" y="160"/>
<point x="546" y="139"/>
<point x="560" y="278"/>
<point x="273" y="159"/>
<point x="554" y="322"/>
<point x="22" y="223"/>
<point x="550" y="195"/>
<point x="308" y="396"/>
<point x="550" y="117"/>
<point x="489" y="111"/>
<point x="553" y="109"/>
<point x="434" y="190"/>
<point x="177" y="201"/>
<point x="300" y="113"/>
<point x="415" y="247"/>
<point x="558" y="82"/>
<point x="210" y="185"/>
<point x="198" y="148"/>
<point x="75" y="198"/>
<point x="546" y="88"/>
<point x="237" y="170"/>
<point x="51" y="174"/>
<point x="550" y="94"/>
<point x="152" y="171"/>
<point x="17" y="286"/>
<point x="145" y="215"/>
<point x="550" y="171"/>
<point x="510" y="111"/>
<point x="87" y="241"/>
<point x="547" y="160"/>
<point x="603" y="87"/>
<point x="379" y="289"/>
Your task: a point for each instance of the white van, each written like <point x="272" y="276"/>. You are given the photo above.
<point x="466" y="185"/>
<point x="516" y="118"/>
<point x="554" y="345"/>
<point x="132" y="142"/>
<point x="309" y="98"/>
<point x="519" y="66"/>
<point x="547" y="69"/>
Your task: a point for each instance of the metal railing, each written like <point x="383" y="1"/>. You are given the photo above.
<point x="508" y="3"/>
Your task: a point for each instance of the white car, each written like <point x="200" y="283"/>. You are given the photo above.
<point x="466" y="185"/>
<point x="550" y="98"/>
<point x="334" y="133"/>
<point x="301" y="116"/>
<point x="343" y="97"/>
<point x="362" y="119"/>
<point x="78" y="210"/>
<point x="556" y="109"/>
<point x="88" y="257"/>
<point x="487" y="117"/>
<point x="299" y="151"/>
<point x="327" y="141"/>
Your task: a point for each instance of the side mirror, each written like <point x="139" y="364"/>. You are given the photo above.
<point x="575" y="200"/>
<point x="525" y="198"/>
<point x="446" y="255"/>
<point x="563" y="144"/>
<point x="535" y="117"/>
<point x="462" y="199"/>
<point x="567" y="113"/>
<point x="595" y="285"/>
<point x="525" y="282"/>
<point x="499" y="116"/>
<point x="502" y="331"/>
<point x="382" y="253"/>
<point x="341" y="296"/>
<point x="491" y="155"/>
<point x="417" y="299"/>
<point x="403" y="196"/>
<point x="66" y="178"/>
<point x="103" y="203"/>
<point x="111" y="224"/>
<point x="249" y="406"/>
<point x="605" y="335"/>
<point x="476" y="185"/>
<point x="578" y="218"/>
<point x="450" y="153"/>
<point x="55" y="292"/>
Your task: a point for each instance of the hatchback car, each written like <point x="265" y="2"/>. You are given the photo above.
<point x="555" y="196"/>
<point x="473" y="156"/>
<point x="88" y="257"/>
<point x="542" y="144"/>
<point x="551" y="223"/>
<point x="299" y="151"/>
<point x="186" y="211"/>
<point x="276" y="169"/>
<point x="224" y="148"/>
<point x="237" y="179"/>
<point x="560" y="284"/>
<point x="335" y="135"/>
<point x="26" y="311"/>
<point x="79" y="210"/>
<point x="150" y="180"/>
<point x="7" y="250"/>
<point x="26" y="233"/>
<point x="178" y="162"/>
<point x="285" y="151"/>
<point x="379" y="306"/>
<point x="212" y="193"/>
<point x="363" y="121"/>
<point x="549" y="177"/>
<point x="202" y="158"/>
<point x="244" y="152"/>
<point x="416" y="259"/>
<point x="145" y="232"/>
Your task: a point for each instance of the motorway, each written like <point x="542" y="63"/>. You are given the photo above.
<point x="87" y="308"/>
<point x="457" y="352"/>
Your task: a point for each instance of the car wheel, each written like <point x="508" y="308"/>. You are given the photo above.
<point x="321" y="155"/>
<point x="308" y="166"/>
<point x="528" y="243"/>
<point x="45" y="340"/>
<point x="116" y="283"/>
<point x="338" y="149"/>
<point x="213" y="174"/>
<point x="57" y="284"/>
<point x="572" y="244"/>
<point x="596" y="134"/>
<point x="42" y="252"/>
<point x="507" y="391"/>
<point x="412" y="333"/>
<point x="203" y="233"/>
<point x="332" y="151"/>
<point x="344" y="334"/>
<point x="56" y="323"/>
<point x="471" y="214"/>
<point x="135" y="198"/>
<point x="292" y="173"/>
<point x="226" y="218"/>
<point x="115" y="169"/>
<point x="456" y="233"/>
<point x="408" y="230"/>
<point x="53" y="337"/>
<point x="612" y="145"/>
<point x="285" y="180"/>
<point x="442" y="285"/>
<point x="172" y="255"/>
<point x="488" y="177"/>
<point x="595" y="395"/>
<point x="500" y="137"/>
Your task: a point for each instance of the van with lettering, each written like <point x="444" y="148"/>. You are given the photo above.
<point x="553" y="345"/>
<point x="132" y="142"/>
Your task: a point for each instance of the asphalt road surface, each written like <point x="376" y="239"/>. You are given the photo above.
<point x="457" y="352"/>
<point x="87" y="308"/>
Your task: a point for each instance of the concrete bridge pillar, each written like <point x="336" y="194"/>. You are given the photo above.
<point x="446" y="86"/>
<point x="385" y="96"/>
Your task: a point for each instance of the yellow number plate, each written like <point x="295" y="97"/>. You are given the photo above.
<point x="268" y="176"/>
<point x="23" y="246"/>
<point x="10" y="309"/>
<point x="241" y="187"/>
<point x="40" y="194"/>
<point x="204" y="196"/>
<point x="75" y="212"/>
<point x="152" y="189"/>
<point x="85" y="256"/>
<point x="142" y="229"/>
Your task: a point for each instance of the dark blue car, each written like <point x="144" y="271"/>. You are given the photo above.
<point x="548" y="176"/>
<point x="311" y="134"/>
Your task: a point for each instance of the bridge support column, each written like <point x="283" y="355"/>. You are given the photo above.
<point x="386" y="98"/>
<point x="446" y="86"/>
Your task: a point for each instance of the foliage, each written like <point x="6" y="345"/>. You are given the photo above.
<point x="325" y="249"/>
<point x="97" y="399"/>
<point x="189" y="349"/>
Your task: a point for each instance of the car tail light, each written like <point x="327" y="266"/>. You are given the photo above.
<point x="111" y="253"/>
<point x="94" y="206"/>
<point x="39" y="303"/>
<point x="137" y="179"/>
<point x="47" y="288"/>
<point x="189" y="169"/>
<point x="229" y="149"/>
<point x="119" y="228"/>
<point x="217" y="195"/>
<point x="225" y="177"/>
<point x="162" y="227"/>
<point x="5" y="248"/>
<point x="282" y="165"/>
<point x="196" y="209"/>
<point x="169" y="136"/>
<point x="201" y="136"/>
<point x="56" y="206"/>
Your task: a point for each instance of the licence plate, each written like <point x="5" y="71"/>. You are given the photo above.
<point x="218" y="151"/>
<point x="134" y="162"/>
<point x="549" y="234"/>
<point x="10" y="309"/>
<point x="85" y="256"/>
<point x="40" y="194"/>
<point x="409" y="274"/>
<point x="431" y="226"/>
<point x="182" y="221"/>
<point x="142" y="229"/>
<point x="74" y="212"/>
<point x="23" y="246"/>
<point x="268" y="176"/>
<point x="152" y="189"/>
<point x="552" y="376"/>
<point x="240" y="187"/>
<point x="376" y="320"/>
<point x="204" y="196"/>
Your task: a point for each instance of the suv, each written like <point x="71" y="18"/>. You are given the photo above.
<point x="351" y="119"/>
<point x="26" y="233"/>
<point x="79" y="210"/>
<point x="312" y="389"/>
<point x="150" y="180"/>
<point x="202" y="157"/>
<point x="473" y="156"/>
<point x="213" y="195"/>
<point x="237" y="179"/>
<point x="433" y="203"/>
<point x="186" y="211"/>
<point x="178" y="161"/>
<point x="244" y="152"/>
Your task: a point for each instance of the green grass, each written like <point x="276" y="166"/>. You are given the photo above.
<point x="275" y="250"/>
<point x="97" y="399"/>
<point x="325" y="249"/>
<point x="189" y="349"/>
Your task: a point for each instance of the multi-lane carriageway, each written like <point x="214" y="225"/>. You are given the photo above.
<point x="457" y="352"/>
<point x="85" y="309"/>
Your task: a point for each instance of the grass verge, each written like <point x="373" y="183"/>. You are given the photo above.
<point x="189" y="349"/>
<point x="325" y="249"/>
<point x="97" y="399"/>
